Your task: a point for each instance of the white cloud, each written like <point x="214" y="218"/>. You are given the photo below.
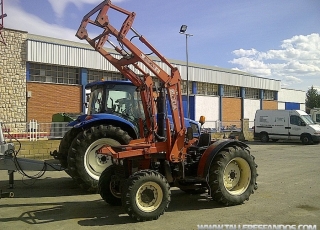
<point x="292" y="79"/>
<point x="295" y="62"/>
<point x="317" y="88"/>
<point x="242" y="52"/>
<point x="59" y="6"/>
<point x="33" y="24"/>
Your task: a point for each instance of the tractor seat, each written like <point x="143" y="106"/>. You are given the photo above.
<point x="203" y="142"/>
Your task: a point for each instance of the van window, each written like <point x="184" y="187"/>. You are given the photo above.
<point x="295" y="120"/>
<point x="307" y="119"/>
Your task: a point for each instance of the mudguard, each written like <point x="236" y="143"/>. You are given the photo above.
<point x="85" y="121"/>
<point x="207" y="157"/>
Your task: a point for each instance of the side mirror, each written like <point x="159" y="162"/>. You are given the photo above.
<point x="189" y="133"/>
<point x="202" y="120"/>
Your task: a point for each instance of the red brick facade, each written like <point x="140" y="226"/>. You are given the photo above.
<point x="231" y="109"/>
<point x="269" y="105"/>
<point x="48" y="99"/>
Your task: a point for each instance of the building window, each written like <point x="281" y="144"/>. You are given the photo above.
<point x="231" y="91"/>
<point x="184" y="87"/>
<point x="53" y="74"/>
<point x="99" y="75"/>
<point x="268" y="95"/>
<point x="207" y="88"/>
<point x="252" y="93"/>
<point x="201" y="88"/>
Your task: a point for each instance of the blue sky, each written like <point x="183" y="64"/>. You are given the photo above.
<point x="277" y="39"/>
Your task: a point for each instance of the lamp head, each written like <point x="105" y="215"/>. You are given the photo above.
<point x="183" y="29"/>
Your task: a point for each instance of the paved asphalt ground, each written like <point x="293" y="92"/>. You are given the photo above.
<point x="289" y="193"/>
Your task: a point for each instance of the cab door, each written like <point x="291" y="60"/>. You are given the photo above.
<point x="296" y="127"/>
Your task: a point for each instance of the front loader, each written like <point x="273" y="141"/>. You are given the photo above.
<point x="143" y="170"/>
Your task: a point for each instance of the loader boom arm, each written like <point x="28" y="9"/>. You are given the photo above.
<point x="136" y="66"/>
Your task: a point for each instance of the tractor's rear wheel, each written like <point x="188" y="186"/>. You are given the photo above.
<point x="232" y="176"/>
<point x="109" y="187"/>
<point x="146" y="195"/>
<point x="64" y="146"/>
<point x="83" y="160"/>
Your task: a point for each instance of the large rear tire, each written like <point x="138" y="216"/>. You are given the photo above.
<point x="109" y="187"/>
<point x="64" y="146"/>
<point x="146" y="195"/>
<point x="83" y="161"/>
<point x="232" y="176"/>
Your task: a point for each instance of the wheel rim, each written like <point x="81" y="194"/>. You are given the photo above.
<point x="237" y="176"/>
<point x="115" y="188"/>
<point x="95" y="163"/>
<point x="149" y="197"/>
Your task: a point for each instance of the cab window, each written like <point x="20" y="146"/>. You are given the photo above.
<point x="296" y="120"/>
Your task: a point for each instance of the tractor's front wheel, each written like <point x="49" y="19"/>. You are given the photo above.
<point x="83" y="160"/>
<point x="232" y="176"/>
<point x="146" y="195"/>
<point x="109" y="187"/>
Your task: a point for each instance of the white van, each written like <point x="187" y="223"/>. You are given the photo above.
<point x="315" y="115"/>
<point x="287" y="125"/>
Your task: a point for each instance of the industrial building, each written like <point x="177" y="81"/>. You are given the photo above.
<point x="41" y="76"/>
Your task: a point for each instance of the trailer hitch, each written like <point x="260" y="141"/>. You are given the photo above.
<point x="6" y="194"/>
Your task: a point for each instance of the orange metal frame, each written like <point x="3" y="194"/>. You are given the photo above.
<point x="175" y="146"/>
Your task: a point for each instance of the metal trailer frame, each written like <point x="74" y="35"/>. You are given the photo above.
<point x="10" y="162"/>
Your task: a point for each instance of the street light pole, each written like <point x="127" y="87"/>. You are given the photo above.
<point x="183" y="30"/>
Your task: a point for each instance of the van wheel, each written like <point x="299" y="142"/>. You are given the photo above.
<point x="306" y="139"/>
<point x="264" y="137"/>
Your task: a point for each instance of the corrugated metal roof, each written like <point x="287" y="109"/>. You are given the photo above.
<point x="61" y="52"/>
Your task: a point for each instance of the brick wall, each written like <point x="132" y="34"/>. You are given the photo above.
<point x="49" y="98"/>
<point x="269" y="105"/>
<point x="231" y="109"/>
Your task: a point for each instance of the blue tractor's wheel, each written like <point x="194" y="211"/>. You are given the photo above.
<point x="83" y="160"/>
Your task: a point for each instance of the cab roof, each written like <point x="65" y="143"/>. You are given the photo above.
<point x="91" y="84"/>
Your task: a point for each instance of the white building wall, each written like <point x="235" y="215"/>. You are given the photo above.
<point x="281" y="105"/>
<point x="250" y="108"/>
<point x="292" y="95"/>
<point x="303" y="107"/>
<point x="208" y="107"/>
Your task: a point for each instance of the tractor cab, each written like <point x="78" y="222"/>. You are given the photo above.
<point x="115" y="97"/>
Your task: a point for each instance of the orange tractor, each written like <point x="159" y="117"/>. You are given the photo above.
<point x="168" y="154"/>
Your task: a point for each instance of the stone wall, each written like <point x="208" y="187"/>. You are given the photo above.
<point x="13" y="76"/>
<point x="39" y="150"/>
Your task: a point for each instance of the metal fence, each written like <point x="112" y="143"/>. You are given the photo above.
<point x="225" y="126"/>
<point x="222" y="126"/>
<point x="34" y="130"/>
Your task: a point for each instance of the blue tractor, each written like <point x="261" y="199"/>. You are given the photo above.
<point x="115" y="116"/>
